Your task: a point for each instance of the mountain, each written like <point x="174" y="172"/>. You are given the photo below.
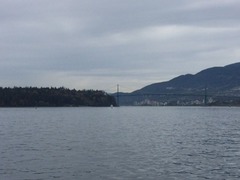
<point x="218" y="84"/>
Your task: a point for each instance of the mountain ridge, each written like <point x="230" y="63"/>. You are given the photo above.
<point x="212" y="76"/>
<point x="219" y="81"/>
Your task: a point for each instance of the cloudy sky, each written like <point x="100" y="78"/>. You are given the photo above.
<point x="97" y="44"/>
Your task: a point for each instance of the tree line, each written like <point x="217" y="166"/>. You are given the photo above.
<point x="53" y="97"/>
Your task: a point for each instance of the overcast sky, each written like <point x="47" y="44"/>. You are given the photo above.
<point x="97" y="44"/>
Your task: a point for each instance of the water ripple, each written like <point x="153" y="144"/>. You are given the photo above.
<point x="120" y="143"/>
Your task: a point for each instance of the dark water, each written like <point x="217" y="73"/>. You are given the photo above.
<point x="120" y="143"/>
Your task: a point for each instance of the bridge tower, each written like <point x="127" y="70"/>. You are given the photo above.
<point x="118" y="95"/>
<point x="205" y="96"/>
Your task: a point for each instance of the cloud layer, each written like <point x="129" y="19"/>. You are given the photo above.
<point x="97" y="44"/>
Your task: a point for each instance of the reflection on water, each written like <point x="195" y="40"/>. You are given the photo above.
<point x="120" y="143"/>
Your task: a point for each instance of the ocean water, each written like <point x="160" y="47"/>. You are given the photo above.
<point x="120" y="143"/>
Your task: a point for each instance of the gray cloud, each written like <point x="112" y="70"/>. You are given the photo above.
<point x="98" y="44"/>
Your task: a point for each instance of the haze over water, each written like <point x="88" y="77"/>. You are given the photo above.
<point x="120" y="143"/>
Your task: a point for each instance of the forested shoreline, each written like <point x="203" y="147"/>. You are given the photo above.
<point x="53" y="97"/>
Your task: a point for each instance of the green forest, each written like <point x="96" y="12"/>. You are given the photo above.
<point x="53" y="97"/>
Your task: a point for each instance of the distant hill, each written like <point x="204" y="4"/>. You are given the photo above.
<point x="219" y="84"/>
<point x="53" y="97"/>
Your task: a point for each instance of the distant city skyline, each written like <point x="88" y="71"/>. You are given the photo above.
<point x="91" y="44"/>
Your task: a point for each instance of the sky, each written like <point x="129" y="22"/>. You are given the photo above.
<point x="97" y="44"/>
